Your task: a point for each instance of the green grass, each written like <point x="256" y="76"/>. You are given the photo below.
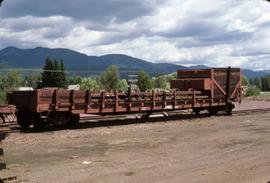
<point x="262" y="96"/>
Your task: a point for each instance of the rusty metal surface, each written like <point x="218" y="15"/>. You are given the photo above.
<point x="113" y="102"/>
<point x="196" y="89"/>
<point x="7" y="109"/>
<point x="26" y="100"/>
<point x="186" y="84"/>
<point x="222" y="82"/>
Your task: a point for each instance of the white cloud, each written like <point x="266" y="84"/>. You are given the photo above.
<point x="216" y="33"/>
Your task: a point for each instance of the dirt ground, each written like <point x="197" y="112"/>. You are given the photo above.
<point x="215" y="149"/>
<point x="252" y="104"/>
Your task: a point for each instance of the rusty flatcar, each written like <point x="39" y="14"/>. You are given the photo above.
<point x="215" y="89"/>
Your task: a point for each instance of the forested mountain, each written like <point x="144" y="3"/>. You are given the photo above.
<point x="82" y="64"/>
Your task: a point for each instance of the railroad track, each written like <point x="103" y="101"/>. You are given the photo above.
<point x="112" y="120"/>
<point x="248" y="111"/>
<point x="10" y="127"/>
<point x="12" y="179"/>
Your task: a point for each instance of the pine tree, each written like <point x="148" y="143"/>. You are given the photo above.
<point x="63" y="77"/>
<point x="257" y="82"/>
<point x="53" y="74"/>
<point x="251" y="81"/>
<point x="144" y="81"/>
<point x="267" y="83"/>
<point x="47" y="76"/>
<point x="263" y="84"/>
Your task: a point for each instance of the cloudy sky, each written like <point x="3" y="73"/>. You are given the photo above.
<point x="187" y="32"/>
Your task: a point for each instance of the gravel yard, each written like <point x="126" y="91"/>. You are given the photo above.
<point x="252" y="104"/>
<point x="215" y="149"/>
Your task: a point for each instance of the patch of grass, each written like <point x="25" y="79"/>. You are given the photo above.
<point x="252" y="91"/>
<point x="262" y="96"/>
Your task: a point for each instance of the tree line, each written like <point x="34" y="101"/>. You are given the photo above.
<point x="262" y="83"/>
<point x="54" y="75"/>
<point x="253" y="86"/>
<point x="110" y="80"/>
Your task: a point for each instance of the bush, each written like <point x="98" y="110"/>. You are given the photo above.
<point x="89" y="84"/>
<point x="252" y="91"/>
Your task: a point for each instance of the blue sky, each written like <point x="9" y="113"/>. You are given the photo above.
<point x="186" y="32"/>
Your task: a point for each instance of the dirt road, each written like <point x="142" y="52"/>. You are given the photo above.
<point x="216" y="149"/>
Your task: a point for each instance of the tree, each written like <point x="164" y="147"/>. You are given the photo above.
<point x="89" y="84"/>
<point x="250" y="81"/>
<point x="245" y="81"/>
<point x="172" y="76"/>
<point x="257" y="82"/>
<point x="144" y="81"/>
<point x="31" y="80"/>
<point x="122" y="85"/>
<point x="263" y="84"/>
<point x="63" y="79"/>
<point x="2" y="82"/>
<point x="9" y="81"/>
<point x="1" y="2"/>
<point x="53" y="74"/>
<point x="13" y="80"/>
<point x="267" y="81"/>
<point x="74" y="80"/>
<point x="47" y="77"/>
<point x="161" y="82"/>
<point x="2" y="97"/>
<point x="109" y="79"/>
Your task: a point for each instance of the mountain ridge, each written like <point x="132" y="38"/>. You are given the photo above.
<point x="13" y="57"/>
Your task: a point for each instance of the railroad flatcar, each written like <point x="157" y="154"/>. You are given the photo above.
<point x="215" y="89"/>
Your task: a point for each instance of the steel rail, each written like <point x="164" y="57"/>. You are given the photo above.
<point x="113" y="120"/>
